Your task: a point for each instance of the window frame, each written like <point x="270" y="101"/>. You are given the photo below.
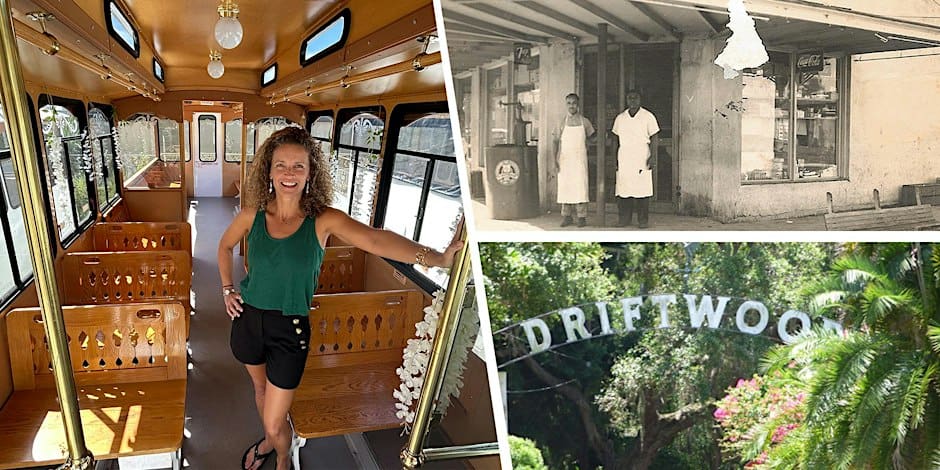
<point x="108" y="111"/>
<point x="158" y="71"/>
<point x="134" y="50"/>
<point x="20" y="283"/>
<point x="312" y="116"/>
<point x="345" y="115"/>
<point x="394" y="126"/>
<point x="72" y="105"/>
<point x="843" y="88"/>
<point x="330" y="49"/>
<point x="265" y="71"/>
<point x="215" y="132"/>
<point x="241" y="144"/>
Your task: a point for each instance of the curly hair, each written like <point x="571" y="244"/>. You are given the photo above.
<point x="320" y="196"/>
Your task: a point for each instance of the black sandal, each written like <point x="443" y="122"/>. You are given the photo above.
<point x="256" y="456"/>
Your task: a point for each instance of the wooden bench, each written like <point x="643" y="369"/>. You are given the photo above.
<point x="343" y="270"/>
<point x="917" y="217"/>
<point x="356" y="344"/>
<point x="98" y="278"/>
<point x="142" y="236"/>
<point x="129" y="364"/>
<point x="924" y="193"/>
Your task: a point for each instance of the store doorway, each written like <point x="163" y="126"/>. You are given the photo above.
<point x="653" y="71"/>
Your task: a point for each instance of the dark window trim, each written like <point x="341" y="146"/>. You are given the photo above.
<point x="394" y="126"/>
<point x="107" y="21"/>
<point x="343" y="116"/>
<point x="43" y="180"/>
<point x="108" y="111"/>
<point x="388" y="164"/>
<point x="329" y="50"/>
<point x="161" y="75"/>
<point x="263" y="72"/>
<point x="215" y="143"/>
<point x="78" y="109"/>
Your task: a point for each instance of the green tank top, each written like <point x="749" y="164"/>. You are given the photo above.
<point x="282" y="272"/>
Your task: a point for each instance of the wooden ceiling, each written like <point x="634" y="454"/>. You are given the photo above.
<point x="180" y="34"/>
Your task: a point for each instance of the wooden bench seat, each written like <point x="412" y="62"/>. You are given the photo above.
<point x="343" y="270"/>
<point x="356" y="344"/>
<point x="129" y="364"/>
<point x="917" y="217"/>
<point x="100" y="278"/>
<point x="142" y="236"/>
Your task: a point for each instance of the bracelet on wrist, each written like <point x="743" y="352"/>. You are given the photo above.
<point x="421" y="257"/>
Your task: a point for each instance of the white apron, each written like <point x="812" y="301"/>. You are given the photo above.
<point x="572" y="166"/>
<point x="634" y="178"/>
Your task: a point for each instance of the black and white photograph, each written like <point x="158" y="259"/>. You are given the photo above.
<point x="698" y="115"/>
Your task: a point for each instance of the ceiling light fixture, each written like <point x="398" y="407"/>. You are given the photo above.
<point x="228" y="31"/>
<point x="215" y="67"/>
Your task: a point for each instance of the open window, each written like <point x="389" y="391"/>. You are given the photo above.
<point x="420" y="180"/>
<point x="330" y="37"/>
<point x="121" y="29"/>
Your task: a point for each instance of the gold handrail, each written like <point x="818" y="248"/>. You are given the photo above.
<point x="22" y="150"/>
<point x="414" y="455"/>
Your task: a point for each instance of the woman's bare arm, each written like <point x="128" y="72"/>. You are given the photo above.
<point x="232" y="236"/>
<point x="382" y="242"/>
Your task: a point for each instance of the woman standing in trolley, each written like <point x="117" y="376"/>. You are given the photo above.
<point x="288" y="222"/>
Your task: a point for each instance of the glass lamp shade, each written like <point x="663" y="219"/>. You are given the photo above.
<point x="228" y="32"/>
<point x="215" y="68"/>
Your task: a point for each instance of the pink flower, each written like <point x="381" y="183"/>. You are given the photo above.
<point x="721" y="414"/>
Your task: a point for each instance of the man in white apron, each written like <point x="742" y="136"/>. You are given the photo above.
<point x="636" y="127"/>
<point x="571" y="162"/>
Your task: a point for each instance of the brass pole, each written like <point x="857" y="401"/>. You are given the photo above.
<point x="462" y="452"/>
<point x="412" y="455"/>
<point x="23" y="150"/>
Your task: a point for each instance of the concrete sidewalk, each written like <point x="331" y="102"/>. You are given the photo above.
<point x="552" y="221"/>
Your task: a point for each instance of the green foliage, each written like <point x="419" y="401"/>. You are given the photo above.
<point x="873" y="395"/>
<point x="678" y="367"/>
<point x="525" y="454"/>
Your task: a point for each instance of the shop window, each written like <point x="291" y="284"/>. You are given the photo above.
<point x="423" y="194"/>
<point x="233" y="141"/>
<point x="356" y="163"/>
<point x="791" y="126"/>
<point x="497" y="115"/>
<point x="63" y="121"/>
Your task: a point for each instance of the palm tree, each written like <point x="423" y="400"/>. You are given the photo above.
<point x="873" y="394"/>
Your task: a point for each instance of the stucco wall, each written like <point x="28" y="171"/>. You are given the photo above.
<point x="556" y="80"/>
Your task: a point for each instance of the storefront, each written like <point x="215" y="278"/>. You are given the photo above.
<point x="833" y="111"/>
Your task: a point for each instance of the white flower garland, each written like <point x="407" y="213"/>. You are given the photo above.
<point x="417" y="353"/>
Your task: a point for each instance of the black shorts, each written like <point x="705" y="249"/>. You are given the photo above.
<point x="269" y="337"/>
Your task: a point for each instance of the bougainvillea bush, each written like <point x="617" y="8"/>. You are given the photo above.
<point x="757" y="415"/>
